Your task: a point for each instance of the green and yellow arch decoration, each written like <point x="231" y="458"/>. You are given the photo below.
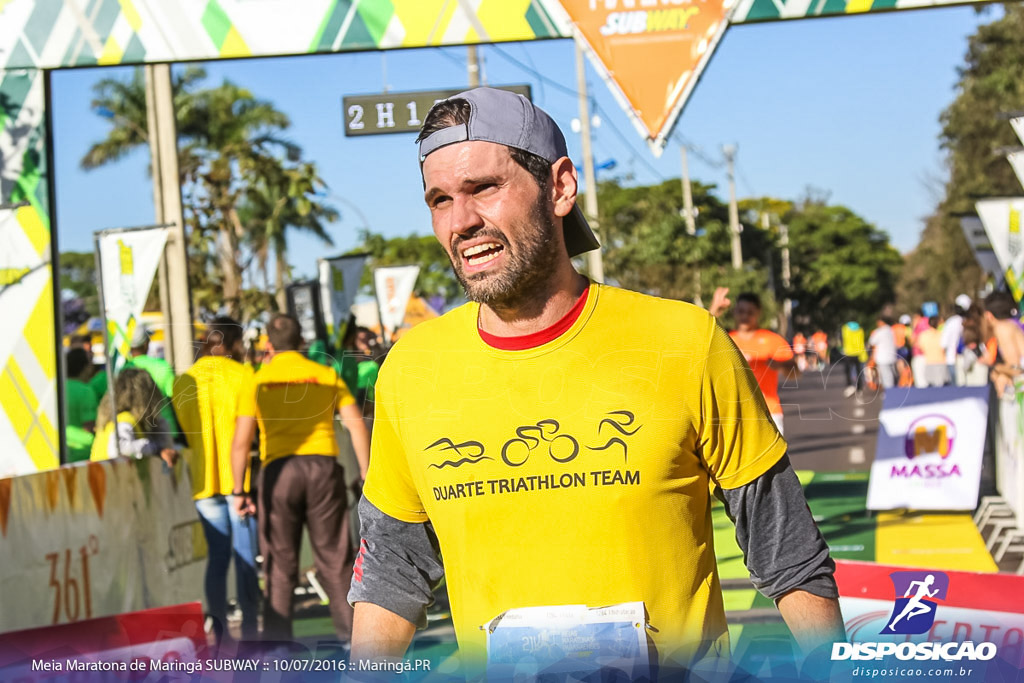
<point x="39" y="35"/>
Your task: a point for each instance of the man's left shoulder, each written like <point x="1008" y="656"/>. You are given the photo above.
<point x="654" y="322"/>
<point x="649" y="310"/>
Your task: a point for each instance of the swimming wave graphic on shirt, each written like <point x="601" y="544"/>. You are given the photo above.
<point x="446" y="444"/>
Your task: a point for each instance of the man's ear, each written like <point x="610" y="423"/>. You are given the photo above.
<point x="565" y="185"/>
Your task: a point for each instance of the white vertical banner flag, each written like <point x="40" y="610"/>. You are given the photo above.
<point x="339" y="282"/>
<point x="1016" y="160"/>
<point x="128" y="260"/>
<point x="394" y="285"/>
<point x="981" y="246"/>
<point x="1002" y="219"/>
<point x="1018" y="127"/>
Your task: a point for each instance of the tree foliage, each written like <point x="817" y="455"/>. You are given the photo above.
<point x="647" y="247"/>
<point x="283" y="200"/>
<point x="436" y="277"/>
<point x="842" y="267"/>
<point x="244" y="185"/>
<point x="991" y="83"/>
<point x="78" y="275"/>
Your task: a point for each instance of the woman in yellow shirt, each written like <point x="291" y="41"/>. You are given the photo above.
<point x="138" y="430"/>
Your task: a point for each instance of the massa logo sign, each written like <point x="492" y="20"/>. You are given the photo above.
<point x="928" y="446"/>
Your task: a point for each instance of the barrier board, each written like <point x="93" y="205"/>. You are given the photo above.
<point x="964" y="606"/>
<point x="97" y="539"/>
<point x="149" y="645"/>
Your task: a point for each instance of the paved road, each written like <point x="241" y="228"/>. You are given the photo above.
<point x="826" y="431"/>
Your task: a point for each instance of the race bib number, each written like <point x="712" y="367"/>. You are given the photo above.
<point x="568" y="639"/>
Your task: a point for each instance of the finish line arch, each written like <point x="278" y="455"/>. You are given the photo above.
<point x="38" y="36"/>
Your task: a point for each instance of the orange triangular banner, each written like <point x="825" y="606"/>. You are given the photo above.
<point x="70" y="483"/>
<point x="651" y="51"/>
<point x="5" y="503"/>
<point x="51" y="480"/>
<point x="98" y="485"/>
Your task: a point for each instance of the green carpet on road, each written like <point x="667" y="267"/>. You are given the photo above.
<point x="837" y="501"/>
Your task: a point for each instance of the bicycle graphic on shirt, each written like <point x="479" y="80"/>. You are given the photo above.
<point x="563" y="448"/>
<point x="543" y="436"/>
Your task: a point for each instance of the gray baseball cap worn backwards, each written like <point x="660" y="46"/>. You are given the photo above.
<point x="510" y="119"/>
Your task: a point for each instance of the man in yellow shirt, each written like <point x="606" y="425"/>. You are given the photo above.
<point x="295" y="401"/>
<point x="854" y="356"/>
<point x="206" y="400"/>
<point x="557" y="440"/>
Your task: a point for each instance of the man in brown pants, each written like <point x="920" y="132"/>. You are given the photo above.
<point x="295" y="400"/>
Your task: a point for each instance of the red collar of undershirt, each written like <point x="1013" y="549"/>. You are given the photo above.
<point x="535" y="339"/>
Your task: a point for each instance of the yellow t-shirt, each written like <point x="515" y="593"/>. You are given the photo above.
<point x="853" y="342"/>
<point x="101" y="444"/>
<point x="206" y="400"/>
<point x="576" y="472"/>
<point x="295" y="401"/>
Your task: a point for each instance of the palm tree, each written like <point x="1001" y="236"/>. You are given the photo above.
<point x="226" y="137"/>
<point x="239" y="139"/>
<point x="283" y="200"/>
<point x="123" y="103"/>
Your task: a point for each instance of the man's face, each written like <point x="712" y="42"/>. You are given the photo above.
<point x="746" y="314"/>
<point x="494" y="221"/>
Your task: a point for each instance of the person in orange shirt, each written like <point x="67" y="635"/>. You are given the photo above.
<point x="819" y="343"/>
<point x="900" y="332"/>
<point x="800" y="350"/>
<point x="767" y="353"/>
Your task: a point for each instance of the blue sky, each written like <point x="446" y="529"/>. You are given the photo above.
<point x="848" y="105"/>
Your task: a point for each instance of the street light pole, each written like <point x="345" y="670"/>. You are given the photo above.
<point x="691" y="225"/>
<point x="473" y="66"/>
<point x="734" y="214"/>
<point x="595" y="265"/>
<point x="787" y="303"/>
<point x="175" y="296"/>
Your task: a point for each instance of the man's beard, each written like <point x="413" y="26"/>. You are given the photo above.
<point x="529" y="264"/>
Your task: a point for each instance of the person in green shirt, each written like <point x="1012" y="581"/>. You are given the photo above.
<point x="345" y="363"/>
<point x="98" y="383"/>
<point x="369" y="349"/>
<point x="159" y="369"/>
<point x="82" y="404"/>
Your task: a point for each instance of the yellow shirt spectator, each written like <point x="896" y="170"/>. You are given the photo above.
<point x="294" y="400"/>
<point x="930" y="343"/>
<point x="206" y="400"/>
